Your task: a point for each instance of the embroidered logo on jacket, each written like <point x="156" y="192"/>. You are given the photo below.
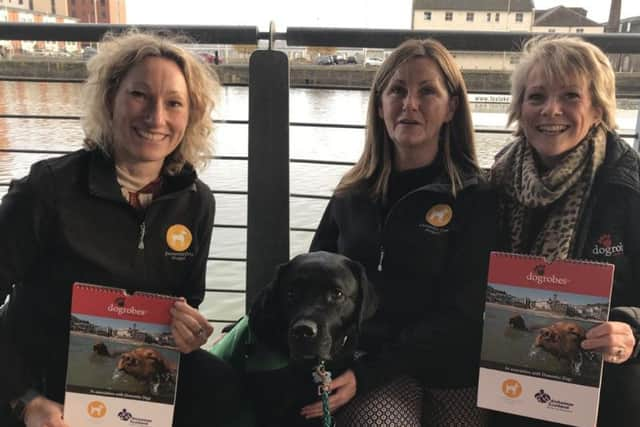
<point x="439" y="215"/>
<point x="179" y="238"/>
<point x="606" y="247"/>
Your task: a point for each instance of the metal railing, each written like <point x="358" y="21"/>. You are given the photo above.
<point x="268" y="194"/>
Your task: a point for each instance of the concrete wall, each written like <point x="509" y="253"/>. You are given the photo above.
<point x="348" y="76"/>
<point x="503" y="61"/>
<point x="57" y="69"/>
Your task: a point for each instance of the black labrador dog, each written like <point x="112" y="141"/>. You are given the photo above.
<point x="311" y="311"/>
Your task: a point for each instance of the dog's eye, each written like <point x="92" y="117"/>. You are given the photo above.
<point x="336" y="294"/>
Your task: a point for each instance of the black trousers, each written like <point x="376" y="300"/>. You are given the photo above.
<point x="208" y="393"/>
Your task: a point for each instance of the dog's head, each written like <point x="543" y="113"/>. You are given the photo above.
<point x="100" y="348"/>
<point x="143" y="363"/>
<point x="562" y="339"/>
<point x="517" y="322"/>
<point x="314" y="307"/>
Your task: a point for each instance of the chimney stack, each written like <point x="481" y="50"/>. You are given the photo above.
<point x="614" y="17"/>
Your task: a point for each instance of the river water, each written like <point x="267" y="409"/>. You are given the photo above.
<point x="306" y="105"/>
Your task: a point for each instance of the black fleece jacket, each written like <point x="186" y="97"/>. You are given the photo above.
<point x="67" y="221"/>
<point x="430" y="277"/>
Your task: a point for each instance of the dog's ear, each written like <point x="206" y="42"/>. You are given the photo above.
<point x="266" y="316"/>
<point x="368" y="298"/>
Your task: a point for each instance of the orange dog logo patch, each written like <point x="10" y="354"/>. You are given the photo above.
<point x="179" y="238"/>
<point x="96" y="409"/>
<point x="511" y="388"/>
<point x="439" y="215"/>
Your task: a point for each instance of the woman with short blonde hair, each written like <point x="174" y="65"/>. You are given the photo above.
<point x="569" y="188"/>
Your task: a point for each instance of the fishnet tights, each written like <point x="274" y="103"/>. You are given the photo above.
<point x="400" y="404"/>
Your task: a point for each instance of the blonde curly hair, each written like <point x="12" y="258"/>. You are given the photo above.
<point x="117" y="54"/>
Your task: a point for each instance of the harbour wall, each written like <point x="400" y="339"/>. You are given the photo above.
<point x="321" y="76"/>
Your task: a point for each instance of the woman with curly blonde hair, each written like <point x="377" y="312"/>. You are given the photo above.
<point x="127" y="211"/>
<point x="106" y="71"/>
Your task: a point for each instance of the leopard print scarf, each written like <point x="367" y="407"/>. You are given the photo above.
<point x="563" y="189"/>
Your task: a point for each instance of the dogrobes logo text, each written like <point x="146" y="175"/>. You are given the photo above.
<point x="605" y="247"/>
<point x="539" y="277"/>
<point x="118" y="307"/>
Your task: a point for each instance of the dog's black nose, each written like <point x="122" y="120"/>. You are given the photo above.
<point x="304" y="329"/>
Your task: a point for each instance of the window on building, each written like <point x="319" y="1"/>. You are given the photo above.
<point x="53" y="7"/>
<point x="469" y="16"/>
<point x="427" y="16"/>
<point x="20" y="1"/>
<point x="488" y="17"/>
<point x="448" y="16"/>
<point x="497" y="17"/>
<point x="519" y="17"/>
<point x="579" y="30"/>
<point x="552" y="30"/>
<point x="103" y="2"/>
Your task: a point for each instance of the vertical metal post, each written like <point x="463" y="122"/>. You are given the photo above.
<point x="636" y="141"/>
<point x="268" y="186"/>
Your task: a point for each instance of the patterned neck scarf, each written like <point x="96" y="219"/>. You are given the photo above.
<point x="137" y="193"/>
<point x="562" y="189"/>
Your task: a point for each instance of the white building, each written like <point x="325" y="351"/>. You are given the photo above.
<point x="497" y="15"/>
<point x="473" y="15"/>
<point x="562" y="19"/>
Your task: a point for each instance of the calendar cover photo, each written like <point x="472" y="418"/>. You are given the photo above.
<point x="536" y="316"/>
<point x="122" y="362"/>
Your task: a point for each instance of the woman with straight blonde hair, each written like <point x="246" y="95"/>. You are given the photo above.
<point x="416" y="213"/>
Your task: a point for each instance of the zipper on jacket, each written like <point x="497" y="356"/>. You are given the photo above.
<point x="383" y="219"/>
<point x="381" y="258"/>
<point x="141" y="239"/>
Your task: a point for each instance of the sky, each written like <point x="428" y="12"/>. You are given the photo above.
<point x="387" y="14"/>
